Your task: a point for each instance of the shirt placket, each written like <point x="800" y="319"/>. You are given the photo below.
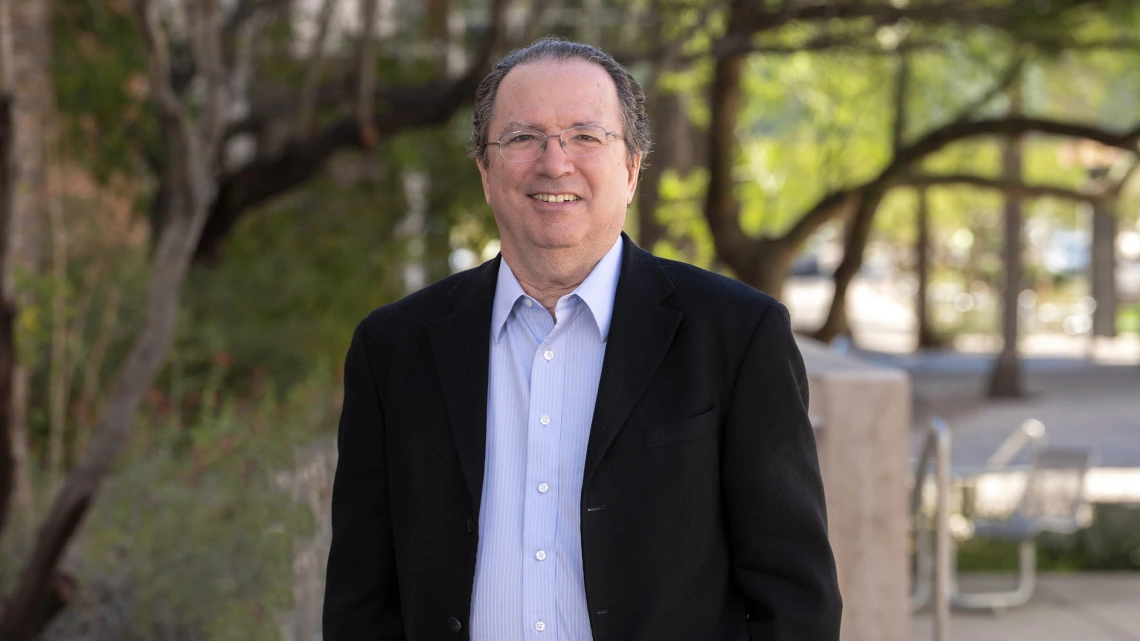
<point x="544" y="424"/>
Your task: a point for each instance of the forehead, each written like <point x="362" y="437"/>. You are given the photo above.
<point x="557" y="95"/>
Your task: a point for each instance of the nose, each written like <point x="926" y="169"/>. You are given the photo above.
<point x="554" y="161"/>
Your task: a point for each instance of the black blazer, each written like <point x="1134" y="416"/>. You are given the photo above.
<point x="702" y="507"/>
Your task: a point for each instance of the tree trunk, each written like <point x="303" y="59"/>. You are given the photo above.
<point x="649" y="229"/>
<point x="859" y="233"/>
<point x="722" y="210"/>
<point x="659" y="105"/>
<point x="192" y="148"/>
<point x="770" y="266"/>
<point x="34" y="116"/>
<point x="58" y="367"/>
<point x="29" y="66"/>
<point x="1005" y="378"/>
<point x="1102" y="267"/>
<point x="858" y="230"/>
<point x="666" y="110"/>
<point x="925" y="335"/>
<point x="29" y="608"/>
<point x="7" y="202"/>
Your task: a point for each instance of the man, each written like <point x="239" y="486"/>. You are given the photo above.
<point x="576" y="440"/>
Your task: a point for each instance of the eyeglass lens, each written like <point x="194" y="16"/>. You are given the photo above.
<point x="579" y="142"/>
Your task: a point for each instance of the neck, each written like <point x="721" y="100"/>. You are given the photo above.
<point x="548" y="276"/>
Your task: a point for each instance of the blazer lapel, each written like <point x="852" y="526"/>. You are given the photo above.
<point x="641" y="331"/>
<point x="461" y="346"/>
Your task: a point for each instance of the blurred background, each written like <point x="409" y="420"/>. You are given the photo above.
<point x="201" y="198"/>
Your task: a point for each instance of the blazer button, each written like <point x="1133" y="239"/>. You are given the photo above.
<point x="470" y="525"/>
<point x="454" y="624"/>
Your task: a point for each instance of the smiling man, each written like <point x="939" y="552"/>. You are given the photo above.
<point x="576" y="440"/>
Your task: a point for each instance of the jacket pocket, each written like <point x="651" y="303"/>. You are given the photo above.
<point x="683" y="430"/>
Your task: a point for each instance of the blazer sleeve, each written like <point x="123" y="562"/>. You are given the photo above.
<point x="782" y="560"/>
<point x="362" y="597"/>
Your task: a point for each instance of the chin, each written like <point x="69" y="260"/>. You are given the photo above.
<point x="557" y="237"/>
<point x="556" y="241"/>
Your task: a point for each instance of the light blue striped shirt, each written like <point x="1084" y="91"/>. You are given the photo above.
<point x="543" y="384"/>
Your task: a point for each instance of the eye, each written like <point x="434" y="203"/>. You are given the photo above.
<point x="520" y="138"/>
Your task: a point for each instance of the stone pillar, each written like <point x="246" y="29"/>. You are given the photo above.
<point x="863" y="421"/>
<point x="1102" y="271"/>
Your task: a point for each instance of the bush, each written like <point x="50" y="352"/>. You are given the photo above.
<point x="1112" y="542"/>
<point x="193" y="536"/>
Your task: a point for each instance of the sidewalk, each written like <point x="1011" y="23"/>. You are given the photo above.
<point x="1082" y="404"/>
<point x="1065" y="607"/>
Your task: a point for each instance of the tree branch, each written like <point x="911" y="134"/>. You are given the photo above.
<point x="1069" y="44"/>
<point x="192" y="188"/>
<point x="1011" y="188"/>
<point x="245" y="11"/>
<point x="862" y="44"/>
<point x="752" y="21"/>
<point x="366" y="73"/>
<point x="8" y="181"/>
<point x="154" y="38"/>
<point x="208" y="53"/>
<point x="826" y="208"/>
<point x="314" y="66"/>
<point x="1007" y="78"/>
<point x="757" y="20"/>
<point x="395" y="110"/>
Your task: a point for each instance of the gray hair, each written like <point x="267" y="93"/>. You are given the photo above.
<point x="631" y="97"/>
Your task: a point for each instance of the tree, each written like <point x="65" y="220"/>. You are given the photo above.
<point x="925" y="336"/>
<point x="7" y="198"/>
<point x="194" y="144"/>
<point x="853" y="29"/>
<point x="201" y="43"/>
<point x="277" y="167"/>
<point x="1005" y="378"/>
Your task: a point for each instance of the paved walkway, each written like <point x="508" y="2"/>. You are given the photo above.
<point x="1082" y="404"/>
<point x="1092" y="403"/>
<point x="1065" y="607"/>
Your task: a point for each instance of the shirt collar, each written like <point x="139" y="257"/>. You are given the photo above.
<point x="507" y="293"/>
<point x="597" y="291"/>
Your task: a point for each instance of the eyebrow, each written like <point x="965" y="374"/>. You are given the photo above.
<point x="521" y="125"/>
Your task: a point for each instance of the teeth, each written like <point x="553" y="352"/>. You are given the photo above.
<point x="552" y="198"/>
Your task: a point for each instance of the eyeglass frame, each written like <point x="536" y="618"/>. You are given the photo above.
<point x="546" y="137"/>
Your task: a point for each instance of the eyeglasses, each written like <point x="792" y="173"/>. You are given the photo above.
<point x="528" y="145"/>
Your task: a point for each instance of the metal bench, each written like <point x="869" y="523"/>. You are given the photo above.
<point x="1051" y="500"/>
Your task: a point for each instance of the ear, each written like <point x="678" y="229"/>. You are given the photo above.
<point x="483" y="170"/>
<point x="634" y="166"/>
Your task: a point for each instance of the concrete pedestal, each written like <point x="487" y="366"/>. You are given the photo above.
<point x="863" y="414"/>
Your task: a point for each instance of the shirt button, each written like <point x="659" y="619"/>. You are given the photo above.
<point x="539" y="625"/>
<point x="548" y="355"/>
<point x="545" y="420"/>
<point x="541" y="556"/>
<point x="543" y="488"/>
<point x="455" y="625"/>
<point x="528" y="303"/>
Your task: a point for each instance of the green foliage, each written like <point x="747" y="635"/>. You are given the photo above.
<point x="1112" y="542"/>
<point x="1128" y="319"/>
<point x="190" y="518"/>
<point x="190" y="534"/>
<point x="297" y="275"/>
<point x="99" y="70"/>
<point x="805" y="130"/>
<point x="681" y="213"/>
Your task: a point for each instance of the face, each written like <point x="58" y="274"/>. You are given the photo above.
<point x="550" y="97"/>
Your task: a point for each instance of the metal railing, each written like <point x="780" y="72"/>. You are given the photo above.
<point x="933" y="576"/>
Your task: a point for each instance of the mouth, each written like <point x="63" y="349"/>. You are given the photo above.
<point x="555" y="198"/>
